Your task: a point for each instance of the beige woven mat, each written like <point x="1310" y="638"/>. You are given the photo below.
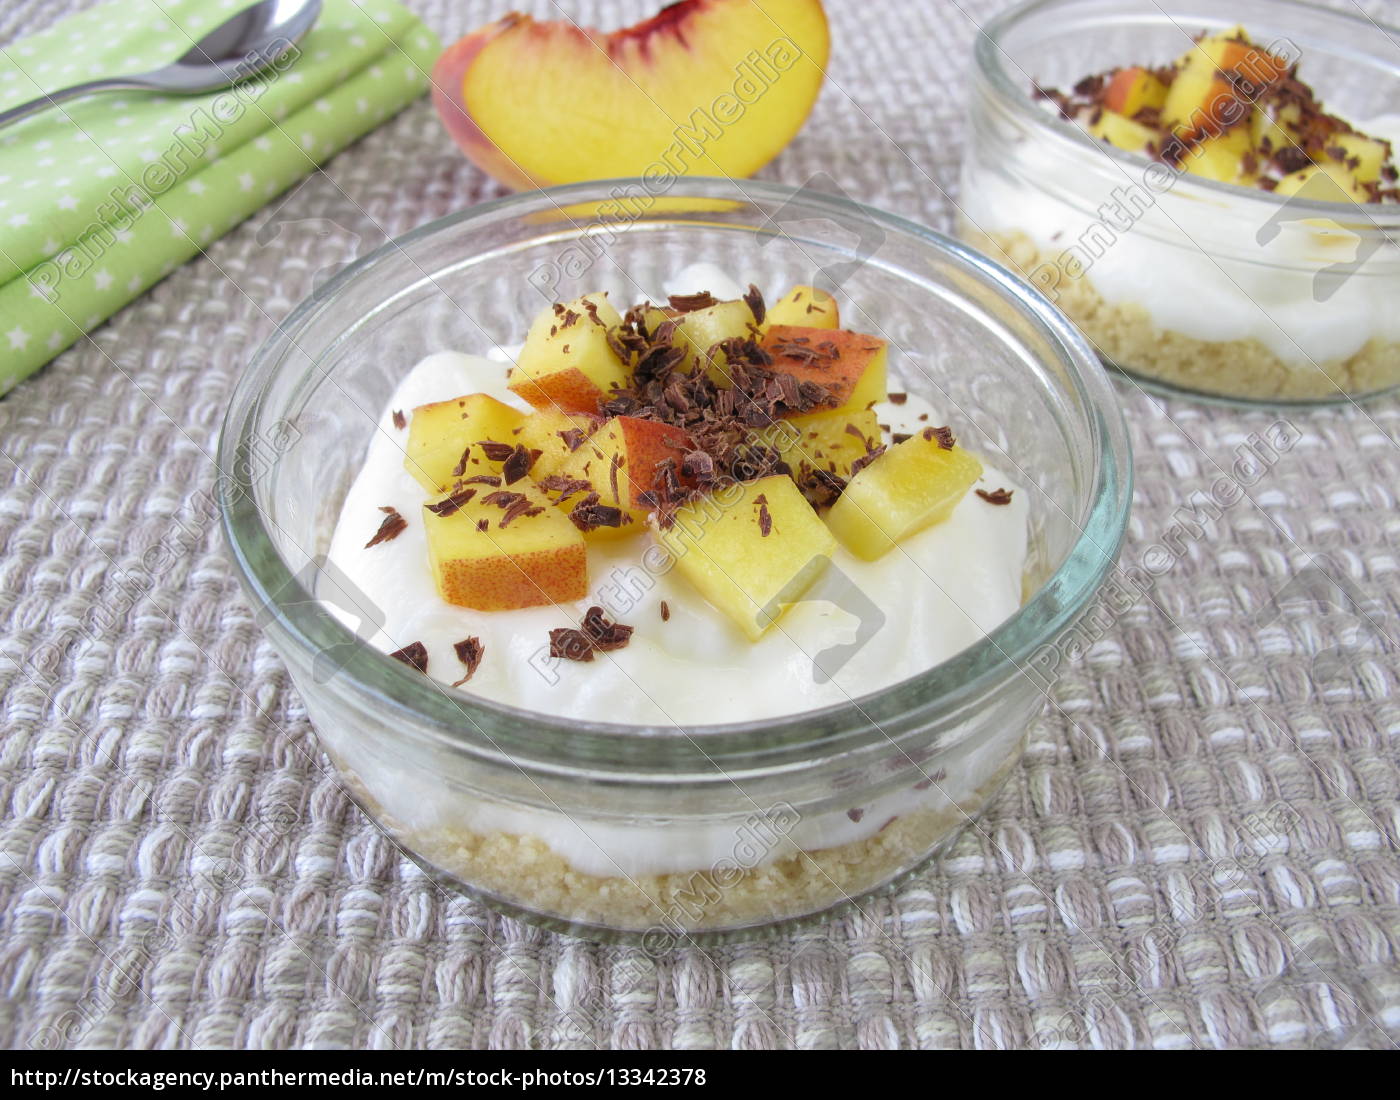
<point x="1200" y="848"/>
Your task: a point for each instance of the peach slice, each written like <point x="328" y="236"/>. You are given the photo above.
<point x="1344" y="179"/>
<point x="751" y="549"/>
<point x="1132" y="89"/>
<point x="704" y="87"/>
<point x="441" y="434"/>
<point x="502" y="549"/>
<point x="567" y="362"/>
<point x="804" y="306"/>
<point x="556" y="435"/>
<point x="1200" y="101"/>
<point x="913" y="485"/>
<point x="1219" y="158"/>
<point x="849" y="364"/>
<point x="620" y="461"/>
<point x="1369" y="155"/>
<point x="1120" y="131"/>
<point x="701" y="329"/>
<point x="825" y="441"/>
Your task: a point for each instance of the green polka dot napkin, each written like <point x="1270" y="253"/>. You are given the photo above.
<point x="101" y="197"/>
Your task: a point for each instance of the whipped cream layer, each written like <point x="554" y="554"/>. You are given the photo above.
<point x="1195" y="264"/>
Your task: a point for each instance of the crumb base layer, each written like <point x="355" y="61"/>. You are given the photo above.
<point x="523" y="877"/>
<point x="1242" y="370"/>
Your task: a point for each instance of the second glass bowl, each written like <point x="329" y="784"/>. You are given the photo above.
<point x="1184" y="283"/>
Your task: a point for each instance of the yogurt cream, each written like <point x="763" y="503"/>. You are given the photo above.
<point x="1209" y="269"/>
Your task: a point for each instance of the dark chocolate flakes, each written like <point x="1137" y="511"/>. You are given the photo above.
<point x="451" y="505"/>
<point x="597" y="635"/>
<point x="469" y="651"/>
<point x="765" y="518"/>
<point x="689" y="303"/>
<point x="400" y="421"/>
<point x="944" y="436"/>
<point x="390" y="527"/>
<point x="753" y="298"/>
<point x="996" y="496"/>
<point x="496" y="452"/>
<point x="415" y="655"/>
<point x="518" y="464"/>
<point x="590" y="513"/>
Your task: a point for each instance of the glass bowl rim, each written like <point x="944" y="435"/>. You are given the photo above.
<point x="550" y="744"/>
<point x="1011" y="94"/>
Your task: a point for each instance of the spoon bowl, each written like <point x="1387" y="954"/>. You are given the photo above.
<point x="242" y="46"/>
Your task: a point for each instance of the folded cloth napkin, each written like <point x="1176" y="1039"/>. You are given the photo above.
<point x="102" y="197"/>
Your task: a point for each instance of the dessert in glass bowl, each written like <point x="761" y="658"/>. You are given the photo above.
<point x="682" y="618"/>
<point x="1213" y="202"/>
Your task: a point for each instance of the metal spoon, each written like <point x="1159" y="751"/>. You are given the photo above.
<point x="238" y="48"/>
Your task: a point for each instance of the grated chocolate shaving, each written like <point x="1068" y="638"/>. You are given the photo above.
<point x="390" y="527"/>
<point x="765" y="518"/>
<point x="613" y="467"/>
<point x="400" y="421"/>
<point x="753" y="298"/>
<point x="943" y="435"/>
<point x="469" y="651"/>
<point x="573" y="438"/>
<point x="665" y="612"/>
<point x="415" y="655"/>
<point x="461" y="467"/>
<point x="898" y="398"/>
<point x="483" y="479"/>
<point x="597" y="635"/>
<point x="866" y="459"/>
<point x="451" y="505"/>
<point x="496" y="452"/>
<point x="518" y="464"/>
<point x="856" y="814"/>
<point x="564" y="486"/>
<point x="589" y="514"/>
<point x="689" y="303"/>
<point x="996" y="496"/>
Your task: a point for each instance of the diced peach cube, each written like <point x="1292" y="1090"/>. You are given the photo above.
<point x="621" y="462"/>
<point x="700" y="330"/>
<point x="556" y="435"/>
<point x="1132" y="89"/>
<point x="805" y="307"/>
<point x="912" y="485"/>
<point x="1122" y="132"/>
<point x="567" y="362"/>
<point x="502" y="549"/>
<point x="752" y="549"/>
<point x="440" y="433"/>
<point x="849" y="364"/>
<point x="825" y="441"/>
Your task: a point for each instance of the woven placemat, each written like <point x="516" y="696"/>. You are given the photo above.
<point x="1200" y="848"/>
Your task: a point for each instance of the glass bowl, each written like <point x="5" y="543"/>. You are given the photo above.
<point x="1184" y="283"/>
<point x="661" y="833"/>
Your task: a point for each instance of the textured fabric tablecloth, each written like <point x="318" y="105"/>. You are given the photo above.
<point x="1200" y="848"/>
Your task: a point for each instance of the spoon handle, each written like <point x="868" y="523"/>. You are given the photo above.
<point x="43" y="102"/>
